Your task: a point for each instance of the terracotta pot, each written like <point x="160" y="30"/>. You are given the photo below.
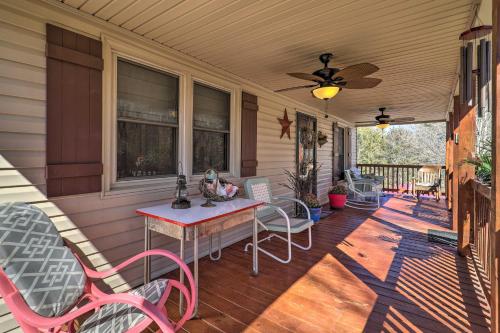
<point x="337" y="200"/>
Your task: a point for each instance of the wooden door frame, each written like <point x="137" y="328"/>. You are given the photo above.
<point x="335" y="151"/>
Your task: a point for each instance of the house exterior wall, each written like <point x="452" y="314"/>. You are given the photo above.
<point x="103" y="225"/>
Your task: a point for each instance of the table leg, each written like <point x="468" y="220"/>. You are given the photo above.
<point x="195" y="313"/>
<point x="147" y="247"/>
<point x="210" y="247"/>
<point x="181" y="272"/>
<point x="255" y="252"/>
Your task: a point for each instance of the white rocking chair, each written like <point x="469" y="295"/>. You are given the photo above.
<point x="273" y="218"/>
<point x="363" y="194"/>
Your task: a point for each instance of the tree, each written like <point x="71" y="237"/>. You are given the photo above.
<point x="370" y="145"/>
<point x="402" y="144"/>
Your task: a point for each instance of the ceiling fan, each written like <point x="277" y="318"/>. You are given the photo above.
<point x="383" y="120"/>
<point x="329" y="81"/>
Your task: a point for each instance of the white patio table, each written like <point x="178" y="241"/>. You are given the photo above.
<point x="194" y="223"/>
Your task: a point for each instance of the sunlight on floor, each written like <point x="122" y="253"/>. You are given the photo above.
<point x="397" y="322"/>
<point x="341" y="302"/>
<point x="364" y="246"/>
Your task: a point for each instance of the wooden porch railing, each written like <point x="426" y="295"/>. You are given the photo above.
<point x="481" y="235"/>
<point x="397" y="177"/>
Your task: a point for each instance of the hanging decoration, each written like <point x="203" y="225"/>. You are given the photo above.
<point x="322" y="139"/>
<point x="476" y="40"/>
<point x="285" y="125"/>
<point x="308" y="135"/>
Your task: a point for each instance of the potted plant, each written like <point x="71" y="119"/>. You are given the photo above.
<point x="483" y="163"/>
<point x="301" y="183"/>
<point x="314" y="206"/>
<point x="338" y="196"/>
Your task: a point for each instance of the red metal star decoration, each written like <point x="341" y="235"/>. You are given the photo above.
<point x="285" y="125"/>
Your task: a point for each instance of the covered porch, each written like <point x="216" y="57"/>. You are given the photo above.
<point x="105" y="103"/>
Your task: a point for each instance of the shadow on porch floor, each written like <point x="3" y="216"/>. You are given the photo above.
<point x="366" y="272"/>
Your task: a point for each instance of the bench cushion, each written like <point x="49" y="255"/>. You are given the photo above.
<point x="120" y="317"/>
<point x="33" y="255"/>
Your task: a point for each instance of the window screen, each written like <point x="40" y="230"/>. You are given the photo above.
<point x="147" y="102"/>
<point x="211" y="111"/>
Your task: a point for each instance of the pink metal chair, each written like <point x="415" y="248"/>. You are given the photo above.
<point x="46" y="286"/>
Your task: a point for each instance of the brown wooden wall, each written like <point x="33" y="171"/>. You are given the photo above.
<point x="465" y="173"/>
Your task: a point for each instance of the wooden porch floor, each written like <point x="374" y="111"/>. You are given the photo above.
<point x="366" y="272"/>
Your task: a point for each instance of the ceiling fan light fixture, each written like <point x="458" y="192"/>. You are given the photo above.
<point x="383" y="125"/>
<point x="325" y="92"/>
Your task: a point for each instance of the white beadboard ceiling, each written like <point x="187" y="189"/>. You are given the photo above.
<point x="414" y="43"/>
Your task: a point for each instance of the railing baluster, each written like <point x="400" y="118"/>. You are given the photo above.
<point x="397" y="179"/>
<point x="481" y="234"/>
<point x="386" y="179"/>
<point x="393" y="178"/>
<point x="407" y="180"/>
<point x="383" y="174"/>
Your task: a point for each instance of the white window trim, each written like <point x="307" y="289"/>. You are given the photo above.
<point x="114" y="49"/>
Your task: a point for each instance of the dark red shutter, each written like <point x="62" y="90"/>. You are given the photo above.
<point x="336" y="173"/>
<point x="74" y="113"/>
<point x="249" y="108"/>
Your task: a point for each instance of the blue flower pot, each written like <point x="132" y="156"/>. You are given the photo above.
<point x="315" y="214"/>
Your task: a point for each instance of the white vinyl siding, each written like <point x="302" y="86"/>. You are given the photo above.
<point x="22" y="118"/>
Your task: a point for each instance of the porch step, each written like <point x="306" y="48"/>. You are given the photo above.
<point x="443" y="237"/>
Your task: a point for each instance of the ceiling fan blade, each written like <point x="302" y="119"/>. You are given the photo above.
<point x="364" y="83"/>
<point x="366" y="123"/>
<point x="294" y="88"/>
<point x="356" y="71"/>
<point x="402" y="120"/>
<point x="305" y="76"/>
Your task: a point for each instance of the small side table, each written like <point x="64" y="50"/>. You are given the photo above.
<point x="194" y="223"/>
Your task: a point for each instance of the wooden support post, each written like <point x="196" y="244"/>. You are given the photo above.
<point x="455" y="162"/>
<point x="495" y="192"/>
<point x="465" y="173"/>
<point x="449" y="160"/>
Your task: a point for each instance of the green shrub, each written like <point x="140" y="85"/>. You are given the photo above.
<point x="337" y="189"/>
<point x="311" y="201"/>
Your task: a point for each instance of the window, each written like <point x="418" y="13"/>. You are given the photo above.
<point x="211" y="111"/>
<point x="147" y="102"/>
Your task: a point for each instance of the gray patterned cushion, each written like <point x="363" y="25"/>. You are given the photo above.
<point x="34" y="257"/>
<point x="120" y="317"/>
